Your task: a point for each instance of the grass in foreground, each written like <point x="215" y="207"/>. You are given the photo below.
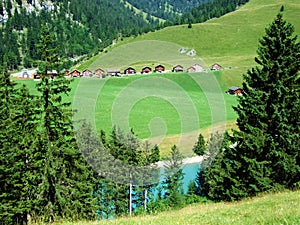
<point x="279" y="208"/>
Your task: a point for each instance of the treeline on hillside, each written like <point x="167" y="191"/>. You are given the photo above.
<point x="209" y="10"/>
<point x="166" y="9"/>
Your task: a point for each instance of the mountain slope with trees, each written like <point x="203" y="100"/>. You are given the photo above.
<point x="87" y="27"/>
<point x="166" y="9"/>
<point x="81" y="27"/>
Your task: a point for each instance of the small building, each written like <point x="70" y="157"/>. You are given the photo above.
<point x="159" y="68"/>
<point x="196" y="68"/>
<point x="216" y="66"/>
<point x="234" y="90"/>
<point x="99" y="73"/>
<point x="177" y="68"/>
<point x="75" y="73"/>
<point x="129" y="70"/>
<point x="146" y="70"/>
<point x="114" y="72"/>
<point x="87" y="73"/>
<point x="52" y="73"/>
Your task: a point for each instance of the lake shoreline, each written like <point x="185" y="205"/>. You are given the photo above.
<point x="185" y="161"/>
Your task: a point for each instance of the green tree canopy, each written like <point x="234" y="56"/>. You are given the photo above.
<point x="264" y="153"/>
<point x="200" y="145"/>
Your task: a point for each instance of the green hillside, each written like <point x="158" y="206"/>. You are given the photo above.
<point x="230" y="40"/>
<point x="280" y="208"/>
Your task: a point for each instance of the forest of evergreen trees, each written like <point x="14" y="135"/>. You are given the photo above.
<point x="209" y="10"/>
<point x="50" y="172"/>
<point x="166" y="9"/>
<point x="81" y="27"/>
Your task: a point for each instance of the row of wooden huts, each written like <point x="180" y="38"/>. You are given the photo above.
<point x="98" y="73"/>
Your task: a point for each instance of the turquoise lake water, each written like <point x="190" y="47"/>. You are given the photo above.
<point x="190" y="172"/>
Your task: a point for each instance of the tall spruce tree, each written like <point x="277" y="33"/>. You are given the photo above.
<point x="172" y="184"/>
<point x="274" y="88"/>
<point x="200" y="145"/>
<point x="265" y="151"/>
<point x="65" y="185"/>
<point x="18" y="124"/>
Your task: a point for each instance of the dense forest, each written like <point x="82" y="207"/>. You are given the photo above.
<point x="166" y="9"/>
<point x="210" y="10"/>
<point x="84" y="28"/>
<point x="81" y="27"/>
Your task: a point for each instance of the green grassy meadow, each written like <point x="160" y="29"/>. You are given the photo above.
<point x="165" y="109"/>
<point x="277" y="209"/>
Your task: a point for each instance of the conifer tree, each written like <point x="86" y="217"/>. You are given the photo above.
<point x="200" y="146"/>
<point x="18" y="124"/>
<point x="173" y="192"/>
<point x="264" y="153"/>
<point x="65" y="188"/>
<point x="8" y="181"/>
<point x="274" y="88"/>
<point x="215" y="147"/>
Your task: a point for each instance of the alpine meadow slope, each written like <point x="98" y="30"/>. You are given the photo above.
<point x="230" y="41"/>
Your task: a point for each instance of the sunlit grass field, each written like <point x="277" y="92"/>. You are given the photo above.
<point x="166" y="109"/>
<point x="277" y="209"/>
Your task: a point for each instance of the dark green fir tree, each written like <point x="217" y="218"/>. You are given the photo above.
<point x="65" y="188"/>
<point x="172" y="184"/>
<point x="18" y="124"/>
<point x="200" y="146"/>
<point x="273" y="88"/>
<point x="264" y="153"/>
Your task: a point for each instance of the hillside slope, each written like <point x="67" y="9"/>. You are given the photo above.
<point x="230" y="40"/>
